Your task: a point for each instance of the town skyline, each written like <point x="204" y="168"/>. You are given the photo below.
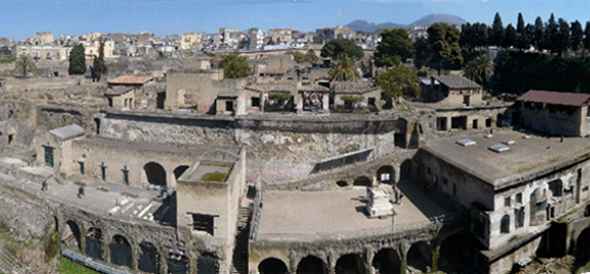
<point x="162" y="17"/>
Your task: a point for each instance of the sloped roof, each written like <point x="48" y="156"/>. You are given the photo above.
<point x="457" y="82"/>
<point x="130" y="80"/>
<point x="118" y="90"/>
<point x="67" y="132"/>
<point x="556" y="98"/>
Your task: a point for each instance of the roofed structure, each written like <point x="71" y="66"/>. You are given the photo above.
<point x="135" y="80"/>
<point x="67" y="132"/>
<point x="556" y="98"/>
<point x="457" y="82"/>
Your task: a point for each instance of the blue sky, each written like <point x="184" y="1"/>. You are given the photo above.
<point x="20" y="18"/>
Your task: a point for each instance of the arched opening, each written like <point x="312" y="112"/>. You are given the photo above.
<point x="420" y="257"/>
<point x="362" y="181"/>
<point x="178" y="265"/>
<point x="272" y="266"/>
<point x="452" y="259"/>
<point x="350" y="264"/>
<point x="71" y="235"/>
<point x="207" y="264"/>
<point x="582" y="250"/>
<point x="155" y="174"/>
<point x="94" y="243"/>
<point x="149" y="258"/>
<point x="406" y="170"/>
<point x="121" y="251"/>
<point x="312" y="265"/>
<point x="556" y="188"/>
<point x="537" y="205"/>
<point x="386" y="261"/>
<point x="505" y="224"/>
<point x="342" y="183"/>
<point x="386" y="175"/>
<point x="178" y="171"/>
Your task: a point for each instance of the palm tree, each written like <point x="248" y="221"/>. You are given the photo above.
<point x="344" y="70"/>
<point x="479" y="69"/>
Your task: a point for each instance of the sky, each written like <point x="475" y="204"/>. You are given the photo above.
<point x="21" y="18"/>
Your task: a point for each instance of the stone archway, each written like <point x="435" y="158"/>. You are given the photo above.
<point x="272" y="266"/>
<point x="350" y="264"/>
<point x="207" y="264"/>
<point x="342" y="183"/>
<point x="386" y="175"/>
<point x="582" y="250"/>
<point x="121" y="252"/>
<point x="387" y="261"/>
<point x="94" y="243"/>
<point x="178" y="171"/>
<point x="72" y="235"/>
<point x="155" y="174"/>
<point x="149" y="258"/>
<point x="178" y="265"/>
<point x="312" y="265"/>
<point x="420" y="256"/>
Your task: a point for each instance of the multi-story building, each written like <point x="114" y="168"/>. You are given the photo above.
<point x="190" y="40"/>
<point x="256" y="38"/>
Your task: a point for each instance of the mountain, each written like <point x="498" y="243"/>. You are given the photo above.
<point x="365" y="26"/>
<point x="430" y="19"/>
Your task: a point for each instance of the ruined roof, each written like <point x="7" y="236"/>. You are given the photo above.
<point x="313" y="87"/>
<point x="353" y="87"/>
<point x="130" y="80"/>
<point x="556" y="98"/>
<point x="289" y="86"/>
<point x="67" y="132"/>
<point x="457" y="82"/>
<point x="529" y="156"/>
<point x="118" y="90"/>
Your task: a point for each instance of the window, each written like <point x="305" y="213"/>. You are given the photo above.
<point x="372" y="101"/>
<point x="203" y="222"/>
<point x="519" y="198"/>
<point x="508" y="201"/>
<point x="48" y="155"/>
<point x="255" y="101"/>
<point x="385" y="177"/>
<point x="10" y="138"/>
<point x="125" y="175"/>
<point x="103" y="171"/>
<point x="445" y="181"/>
<point x="475" y="124"/>
<point x="81" y="164"/>
<point x="519" y="215"/>
<point x="505" y="225"/>
<point x="229" y="106"/>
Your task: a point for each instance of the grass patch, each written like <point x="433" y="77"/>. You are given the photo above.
<point x="67" y="266"/>
<point x="214" y="177"/>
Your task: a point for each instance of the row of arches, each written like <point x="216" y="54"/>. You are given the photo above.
<point x="119" y="248"/>
<point x="421" y="257"/>
<point x="385" y="175"/>
<point x="156" y="174"/>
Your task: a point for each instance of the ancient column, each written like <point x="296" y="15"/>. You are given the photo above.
<point x="369" y="256"/>
<point x="163" y="263"/>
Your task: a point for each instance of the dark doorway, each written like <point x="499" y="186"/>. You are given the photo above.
<point x="420" y="257"/>
<point x="149" y="258"/>
<point x="459" y="122"/>
<point x="272" y="266"/>
<point x="155" y="174"/>
<point x="160" y="99"/>
<point x="387" y="261"/>
<point x="207" y="264"/>
<point x="71" y="236"/>
<point x="121" y="251"/>
<point x="179" y="266"/>
<point x="312" y="265"/>
<point x="350" y="264"/>
<point x="94" y="243"/>
<point x="178" y="171"/>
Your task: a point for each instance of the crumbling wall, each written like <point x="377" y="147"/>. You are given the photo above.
<point x="25" y="216"/>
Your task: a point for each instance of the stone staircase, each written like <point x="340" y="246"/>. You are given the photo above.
<point x="240" y="254"/>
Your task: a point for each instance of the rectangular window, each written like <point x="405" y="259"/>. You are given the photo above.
<point x="48" y="155"/>
<point x="508" y="201"/>
<point x="125" y="175"/>
<point x="203" y="222"/>
<point x="82" y="171"/>
<point x="255" y="101"/>
<point x="229" y="106"/>
<point x="519" y="198"/>
<point x="103" y="171"/>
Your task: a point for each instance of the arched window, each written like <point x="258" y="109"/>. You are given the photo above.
<point x="155" y="174"/>
<point x="505" y="225"/>
<point x="272" y="266"/>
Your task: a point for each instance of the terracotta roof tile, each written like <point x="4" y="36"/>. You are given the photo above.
<point x="556" y="98"/>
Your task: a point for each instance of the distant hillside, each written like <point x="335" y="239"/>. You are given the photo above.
<point x="438" y="18"/>
<point x="365" y="26"/>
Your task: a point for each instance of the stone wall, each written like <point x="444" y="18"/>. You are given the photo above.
<point x="25" y="216"/>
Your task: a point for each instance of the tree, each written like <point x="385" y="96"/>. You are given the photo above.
<point x="235" y="66"/>
<point x="563" y="36"/>
<point x="479" y="69"/>
<point x="497" y="35"/>
<point x="520" y="25"/>
<point x="344" y="70"/>
<point x="338" y="47"/>
<point x="510" y="37"/>
<point x="77" y="60"/>
<point x="444" y="42"/>
<point x="398" y="81"/>
<point x="539" y="34"/>
<point x="311" y="57"/>
<point x="586" y="41"/>
<point x="523" y="38"/>
<point x="99" y="67"/>
<point x="577" y="35"/>
<point x="467" y="39"/>
<point x="481" y="34"/>
<point x="395" y="46"/>
<point x="24" y="65"/>
<point x="551" y="37"/>
<point x="423" y="52"/>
